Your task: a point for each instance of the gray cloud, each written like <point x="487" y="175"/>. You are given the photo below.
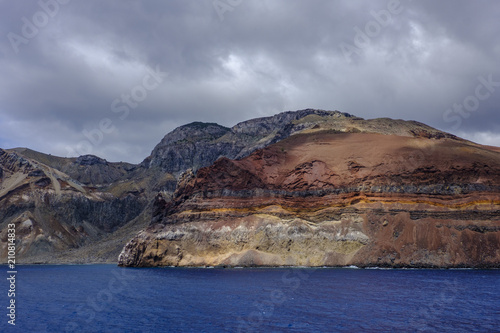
<point x="262" y="58"/>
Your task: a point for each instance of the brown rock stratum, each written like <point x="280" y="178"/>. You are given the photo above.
<point x="330" y="198"/>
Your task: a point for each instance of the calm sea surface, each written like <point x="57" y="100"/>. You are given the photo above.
<point x="106" y="298"/>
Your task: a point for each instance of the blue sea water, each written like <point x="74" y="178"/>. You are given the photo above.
<point x="106" y="298"/>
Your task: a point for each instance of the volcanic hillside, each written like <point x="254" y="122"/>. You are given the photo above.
<point x="406" y="196"/>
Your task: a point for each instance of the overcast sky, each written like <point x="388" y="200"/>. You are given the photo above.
<point x="111" y="78"/>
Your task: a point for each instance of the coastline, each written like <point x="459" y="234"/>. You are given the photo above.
<point x="367" y="267"/>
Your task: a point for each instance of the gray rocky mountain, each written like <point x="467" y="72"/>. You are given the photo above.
<point x="196" y="145"/>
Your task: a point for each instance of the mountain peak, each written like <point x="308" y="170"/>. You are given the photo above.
<point x="199" y="144"/>
<point x="90" y="160"/>
<point x="199" y="125"/>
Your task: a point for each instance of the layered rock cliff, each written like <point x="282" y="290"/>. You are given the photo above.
<point x="108" y="202"/>
<point x="352" y="192"/>
<point x="309" y="187"/>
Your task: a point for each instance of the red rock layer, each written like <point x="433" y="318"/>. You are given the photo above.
<point x="363" y="199"/>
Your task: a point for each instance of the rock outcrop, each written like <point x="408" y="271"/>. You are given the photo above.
<point x="410" y="196"/>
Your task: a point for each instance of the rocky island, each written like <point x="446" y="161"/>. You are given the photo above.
<point x="340" y="191"/>
<point x="302" y="188"/>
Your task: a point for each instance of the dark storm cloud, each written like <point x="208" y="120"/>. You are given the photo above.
<point x="65" y="90"/>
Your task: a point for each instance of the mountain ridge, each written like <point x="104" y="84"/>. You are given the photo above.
<point x="334" y="198"/>
<point x="54" y="193"/>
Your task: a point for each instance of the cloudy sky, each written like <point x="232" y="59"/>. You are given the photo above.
<point x="111" y="78"/>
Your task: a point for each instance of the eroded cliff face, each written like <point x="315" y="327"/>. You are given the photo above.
<point x="413" y="198"/>
<point x="55" y="214"/>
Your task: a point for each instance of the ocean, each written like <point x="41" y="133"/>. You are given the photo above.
<point x="107" y="298"/>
